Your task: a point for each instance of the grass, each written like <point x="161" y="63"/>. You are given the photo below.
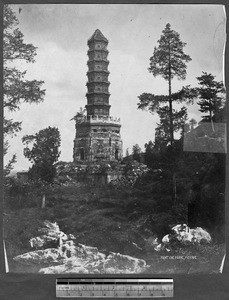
<point x="107" y="219"/>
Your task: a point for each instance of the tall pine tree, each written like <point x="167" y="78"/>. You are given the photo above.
<point x="169" y="61"/>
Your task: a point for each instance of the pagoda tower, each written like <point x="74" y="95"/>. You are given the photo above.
<point x="98" y="134"/>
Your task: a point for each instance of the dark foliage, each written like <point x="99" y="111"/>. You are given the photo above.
<point x="210" y="93"/>
<point x="16" y="89"/>
<point x="43" y="171"/>
<point x="136" y="150"/>
<point x="188" y="187"/>
<point x="19" y="195"/>
<point x="44" y="153"/>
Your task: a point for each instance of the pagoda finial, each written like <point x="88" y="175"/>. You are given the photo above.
<point x="98" y="36"/>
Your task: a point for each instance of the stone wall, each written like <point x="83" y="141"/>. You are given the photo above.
<point x="95" y="142"/>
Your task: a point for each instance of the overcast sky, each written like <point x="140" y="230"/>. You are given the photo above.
<point x="61" y="32"/>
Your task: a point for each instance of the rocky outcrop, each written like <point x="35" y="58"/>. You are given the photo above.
<point x="41" y="257"/>
<point x="118" y="263"/>
<point x="50" y="237"/>
<point x="183" y="235"/>
<point x="69" y="257"/>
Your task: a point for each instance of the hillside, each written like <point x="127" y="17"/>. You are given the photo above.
<point x="104" y="217"/>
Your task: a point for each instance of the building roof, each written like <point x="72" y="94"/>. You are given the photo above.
<point x="98" y="36"/>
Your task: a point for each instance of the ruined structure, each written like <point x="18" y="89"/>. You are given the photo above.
<point x="97" y="134"/>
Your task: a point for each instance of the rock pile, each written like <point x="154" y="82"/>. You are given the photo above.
<point x="183" y="235"/>
<point x="50" y="237"/>
<point x="58" y="253"/>
<point x="186" y="235"/>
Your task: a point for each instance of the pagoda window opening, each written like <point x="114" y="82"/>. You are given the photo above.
<point x="82" y="156"/>
<point x="116" y="154"/>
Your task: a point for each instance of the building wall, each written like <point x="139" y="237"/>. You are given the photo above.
<point x="97" y="142"/>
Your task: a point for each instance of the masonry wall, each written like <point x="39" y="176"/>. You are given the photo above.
<point x="97" y="142"/>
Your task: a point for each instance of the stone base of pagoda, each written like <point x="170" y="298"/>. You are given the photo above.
<point x="97" y="141"/>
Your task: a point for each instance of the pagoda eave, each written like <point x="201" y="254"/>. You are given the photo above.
<point x="97" y="50"/>
<point x="98" y="60"/>
<point x="99" y="93"/>
<point x="98" y="71"/>
<point x="91" y="82"/>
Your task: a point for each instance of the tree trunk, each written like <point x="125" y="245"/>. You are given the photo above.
<point x="174" y="189"/>
<point x="43" y="201"/>
<point x="170" y="114"/>
<point x="170" y="104"/>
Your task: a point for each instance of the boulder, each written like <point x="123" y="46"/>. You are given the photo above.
<point x="124" y="264"/>
<point x="180" y="228"/>
<point x="166" y="239"/>
<point x="44" y="241"/>
<point x="46" y="256"/>
<point x="200" y="235"/>
<point x="51" y="236"/>
<point x="185" y="235"/>
<point x="158" y="247"/>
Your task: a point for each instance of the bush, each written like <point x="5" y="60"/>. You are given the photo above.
<point x="18" y="195"/>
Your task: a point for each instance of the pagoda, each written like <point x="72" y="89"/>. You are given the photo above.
<point x="97" y="134"/>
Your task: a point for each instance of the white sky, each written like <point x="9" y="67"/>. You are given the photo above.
<point x="61" y="32"/>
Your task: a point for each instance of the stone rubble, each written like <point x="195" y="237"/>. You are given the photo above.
<point x="184" y="235"/>
<point x="51" y="236"/>
<point x="66" y="256"/>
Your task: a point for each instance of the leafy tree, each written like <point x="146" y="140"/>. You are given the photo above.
<point x="192" y="123"/>
<point x="210" y="93"/>
<point x="43" y="154"/>
<point x="169" y="61"/>
<point x="16" y="88"/>
<point x="136" y="150"/>
<point x="80" y="115"/>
